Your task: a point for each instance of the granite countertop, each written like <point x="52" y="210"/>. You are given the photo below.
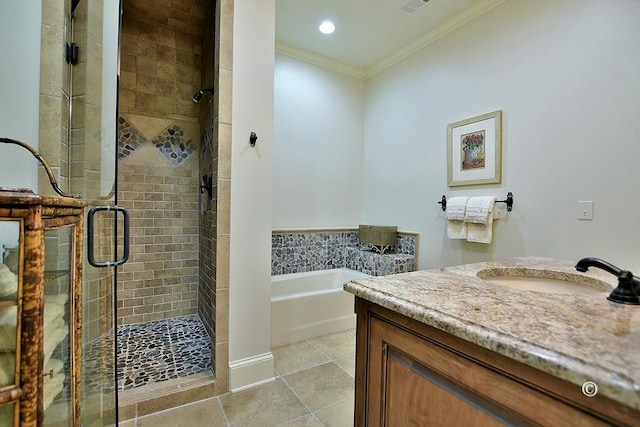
<point x="577" y="337"/>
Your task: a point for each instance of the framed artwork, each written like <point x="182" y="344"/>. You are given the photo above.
<point x="474" y="150"/>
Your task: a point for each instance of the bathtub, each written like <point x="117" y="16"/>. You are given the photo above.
<point x="307" y="305"/>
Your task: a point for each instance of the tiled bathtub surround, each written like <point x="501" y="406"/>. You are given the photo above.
<point x="374" y="264"/>
<point x="296" y="251"/>
<point x="161" y="350"/>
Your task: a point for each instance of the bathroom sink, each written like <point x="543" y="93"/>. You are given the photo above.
<point x="544" y="281"/>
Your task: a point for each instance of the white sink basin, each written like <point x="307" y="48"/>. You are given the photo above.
<point x="543" y="281"/>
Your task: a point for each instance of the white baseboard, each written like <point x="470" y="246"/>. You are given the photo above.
<point x="250" y="372"/>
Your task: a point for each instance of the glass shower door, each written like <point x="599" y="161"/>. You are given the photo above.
<point x="93" y="29"/>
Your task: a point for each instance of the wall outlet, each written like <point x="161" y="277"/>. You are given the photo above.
<point x="585" y="210"/>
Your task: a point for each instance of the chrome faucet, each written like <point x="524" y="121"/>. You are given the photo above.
<point x="628" y="290"/>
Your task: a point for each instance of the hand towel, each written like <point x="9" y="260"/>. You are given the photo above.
<point x="479" y="219"/>
<point x="478" y="209"/>
<point x="456" y="227"/>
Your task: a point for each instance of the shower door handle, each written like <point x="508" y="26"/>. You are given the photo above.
<point x="90" y="239"/>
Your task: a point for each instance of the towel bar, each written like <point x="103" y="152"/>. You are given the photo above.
<point x="508" y="201"/>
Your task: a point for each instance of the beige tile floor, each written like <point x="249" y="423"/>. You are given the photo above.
<point x="314" y="386"/>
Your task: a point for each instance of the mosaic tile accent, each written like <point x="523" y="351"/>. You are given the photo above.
<point x="375" y="264"/>
<point x="406" y="245"/>
<point x="301" y="252"/>
<point x="161" y="350"/>
<point x="173" y="145"/>
<point x="129" y="138"/>
<point x="311" y="251"/>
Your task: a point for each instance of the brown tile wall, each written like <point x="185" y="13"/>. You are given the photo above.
<point x="54" y="96"/>
<point x="223" y="67"/>
<point x="159" y="66"/>
<point x="208" y="168"/>
<point x="160" y="72"/>
<point x="160" y="280"/>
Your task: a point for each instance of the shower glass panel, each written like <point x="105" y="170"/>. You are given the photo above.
<point x="94" y="27"/>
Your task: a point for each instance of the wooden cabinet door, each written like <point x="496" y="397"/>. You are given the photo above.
<point x="413" y="381"/>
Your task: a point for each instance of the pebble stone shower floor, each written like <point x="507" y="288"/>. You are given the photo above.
<point x="161" y="350"/>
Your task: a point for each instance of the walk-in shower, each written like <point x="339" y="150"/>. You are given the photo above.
<point x="165" y="295"/>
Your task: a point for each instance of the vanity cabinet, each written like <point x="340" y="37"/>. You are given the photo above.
<point x="411" y="374"/>
<point x="40" y="309"/>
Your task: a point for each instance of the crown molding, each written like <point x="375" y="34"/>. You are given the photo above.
<point x="319" y="60"/>
<point x="437" y="33"/>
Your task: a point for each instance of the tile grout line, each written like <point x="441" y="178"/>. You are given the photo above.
<point x="301" y="401"/>
<point x="224" y="413"/>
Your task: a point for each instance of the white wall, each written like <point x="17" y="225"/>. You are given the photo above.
<point x="250" y="356"/>
<point x="317" y="150"/>
<point x="20" y="23"/>
<point x="565" y="73"/>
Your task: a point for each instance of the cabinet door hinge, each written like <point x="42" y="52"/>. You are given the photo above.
<point x="72" y="53"/>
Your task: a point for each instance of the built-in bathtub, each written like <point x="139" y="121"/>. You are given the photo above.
<point x="308" y="305"/>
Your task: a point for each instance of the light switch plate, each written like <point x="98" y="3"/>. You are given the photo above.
<point x="585" y="210"/>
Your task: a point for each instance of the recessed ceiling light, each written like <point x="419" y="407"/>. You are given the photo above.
<point x="327" y="27"/>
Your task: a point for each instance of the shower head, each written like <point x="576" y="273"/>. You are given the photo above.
<point x="198" y="96"/>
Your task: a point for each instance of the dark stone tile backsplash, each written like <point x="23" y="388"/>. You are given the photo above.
<point x="297" y="252"/>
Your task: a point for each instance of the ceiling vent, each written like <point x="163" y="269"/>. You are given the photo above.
<point x="410" y="7"/>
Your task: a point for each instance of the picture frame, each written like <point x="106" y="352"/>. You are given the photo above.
<point x="474" y="150"/>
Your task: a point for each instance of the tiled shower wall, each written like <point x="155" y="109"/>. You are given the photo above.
<point x="208" y="170"/>
<point x="170" y="50"/>
<point x="158" y="185"/>
<point x="160" y="57"/>
<point x="158" y="160"/>
<point x="296" y="251"/>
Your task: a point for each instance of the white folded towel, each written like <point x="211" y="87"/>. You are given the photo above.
<point x="53" y="314"/>
<point x="8" y="281"/>
<point x="456" y="208"/>
<point x="54" y="337"/>
<point x="456" y="227"/>
<point x="479" y="219"/>
<point x="478" y="209"/>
